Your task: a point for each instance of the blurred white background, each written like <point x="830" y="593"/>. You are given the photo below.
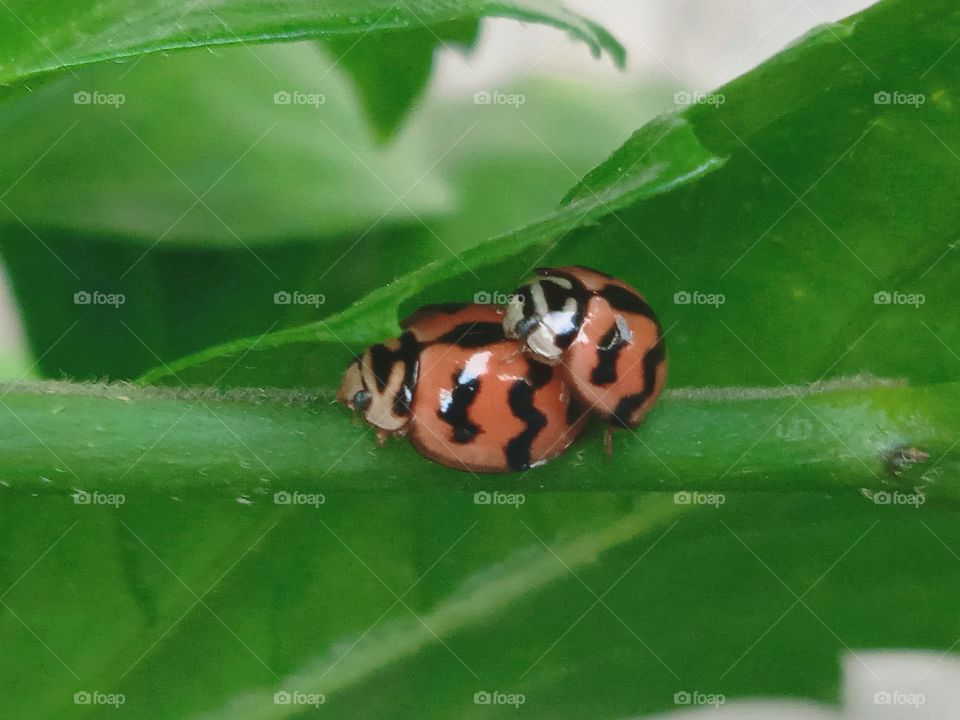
<point x="692" y="45"/>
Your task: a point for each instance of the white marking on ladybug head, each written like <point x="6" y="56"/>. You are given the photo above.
<point x="382" y="411"/>
<point x="562" y="282"/>
<point x="539" y="299"/>
<point x="359" y="391"/>
<point x="513" y="316"/>
<point x="543" y="343"/>
<point x="563" y="322"/>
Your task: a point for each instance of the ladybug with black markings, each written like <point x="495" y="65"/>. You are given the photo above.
<point x="600" y="331"/>
<point x="463" y="392"/>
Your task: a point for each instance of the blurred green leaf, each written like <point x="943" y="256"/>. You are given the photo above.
<point x="304" y="597"/>
<point x="243" y="149"/>
<point x="391" y="69"/>
<point x="55" y="35"/>
<point x="495" y="166"/>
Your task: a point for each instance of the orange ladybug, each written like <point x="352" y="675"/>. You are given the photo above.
<point x="465" y="394"/>
<point x="601" y="331"/>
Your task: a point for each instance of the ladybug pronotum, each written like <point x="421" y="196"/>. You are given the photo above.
<point x="601" y="331"/>
<point x="466" y="395"/>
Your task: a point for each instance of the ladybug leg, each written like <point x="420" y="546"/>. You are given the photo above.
<point x="608" y="443"/>
<point x="382" y="436"/>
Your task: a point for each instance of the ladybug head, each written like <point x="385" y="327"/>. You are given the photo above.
<point x="545" y="314"/>
<point x="376" y="384"/>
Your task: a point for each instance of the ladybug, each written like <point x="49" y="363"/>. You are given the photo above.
<point x="601" y="330"/>
<point x="466" y="395"/>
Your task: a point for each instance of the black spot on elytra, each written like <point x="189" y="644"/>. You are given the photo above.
<point x="575" y="411"/>
<point x="608" y="350"/>
<point x="520" y="400"/>
<point x="629" y="404"/>
<point x="474" y="335"/>
<point x="538" y="374"/>
<point x="456" y="412"/>
<point x="627" y="301"/>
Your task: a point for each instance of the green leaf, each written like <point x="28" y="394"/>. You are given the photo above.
<point x="204" y="152"/>
<point x="828" y="203"/>
<point x="602" y="603"/>
<point x="52" y="36"/>
<point x="502" y="169"/>
<point x="391" y="69"/>
<point x="316" y="353"/>
<point x="857" y="433"/>
<point x="304" y="597"/>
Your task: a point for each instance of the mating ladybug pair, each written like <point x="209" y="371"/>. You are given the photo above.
<point x="486" y="388"/>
